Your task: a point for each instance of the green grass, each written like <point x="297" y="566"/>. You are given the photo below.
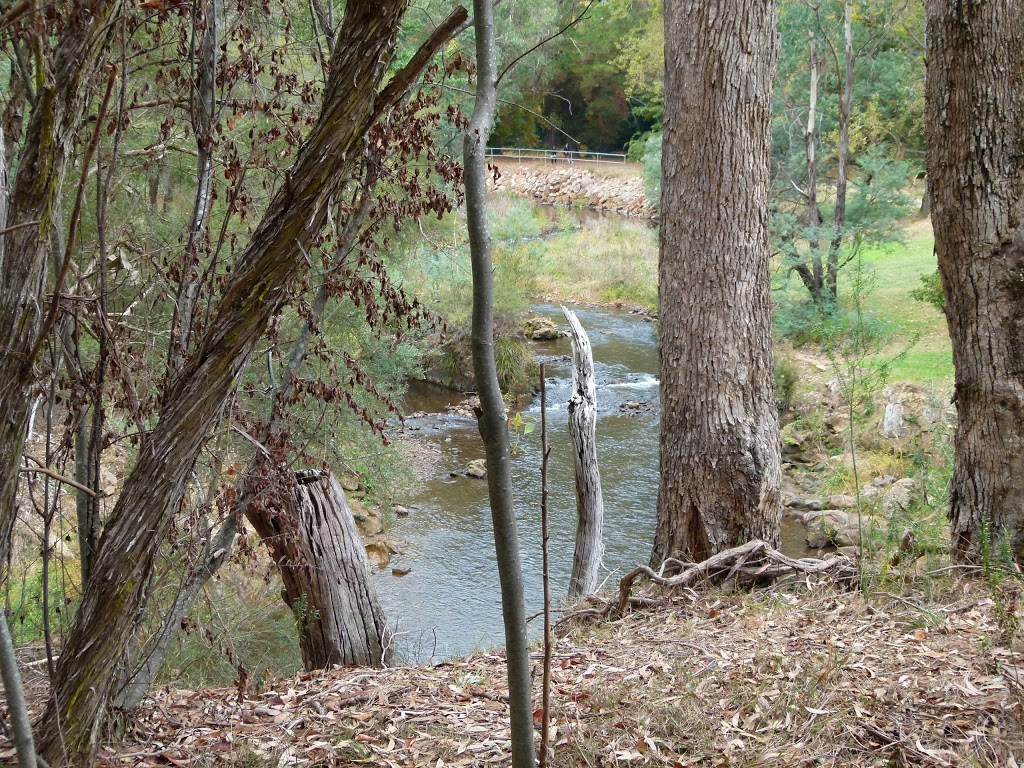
<point x="920" y="341"/>
<point x="610" y="261"/>
<point x="898" y="270"/>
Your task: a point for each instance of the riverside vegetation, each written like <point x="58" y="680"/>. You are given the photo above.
<point x="619" y="685"/>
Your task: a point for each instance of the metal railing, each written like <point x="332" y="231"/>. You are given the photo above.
<point x="555" y="155"/>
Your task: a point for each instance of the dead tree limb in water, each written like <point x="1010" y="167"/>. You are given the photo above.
<point x="583" y="431"/>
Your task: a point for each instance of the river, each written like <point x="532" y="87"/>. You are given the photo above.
<point x="448" y="604"/>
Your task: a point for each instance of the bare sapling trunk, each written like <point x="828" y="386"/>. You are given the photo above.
<point x="492" y="422"/>
<point x="586" y="563"/>
<point x="812" y="275"/>
<point x="326" y="576"/>
<point x="204" y="109"/>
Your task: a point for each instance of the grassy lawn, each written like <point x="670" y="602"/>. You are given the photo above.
<point x="899" y="270"/>
<point x="895" y="271"/>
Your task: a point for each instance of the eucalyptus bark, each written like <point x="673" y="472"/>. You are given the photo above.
<point x="59" y="110"/>
<point x="21" y="727"/>
<point x="112" y="605"/>
<point x="720" y="450"/>
<point x="582" y="409"/>
<point x="975" y="154"/>
<point x="842" y="181"/>
<point x="317" y="548"/>
<point x="204" y="110"/>
<point x="492" y="422"/>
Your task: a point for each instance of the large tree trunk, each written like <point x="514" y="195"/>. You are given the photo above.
<point x="582" y="408"/>
<point x="112" y="605"/>
<point x="720" y="453"/>
<point x="326" y="577"/>
<point x="492" y="423"/>
<point x="61" y="104"/>
<point x="975" y="138"/>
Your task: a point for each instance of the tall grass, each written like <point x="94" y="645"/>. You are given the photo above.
<point x="609" y="261"/>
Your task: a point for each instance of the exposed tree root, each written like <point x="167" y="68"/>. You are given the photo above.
<point x="755" y="560"/>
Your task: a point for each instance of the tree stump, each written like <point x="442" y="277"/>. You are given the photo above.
<point x="583" y="430"/>
<point x="326" y="576"/>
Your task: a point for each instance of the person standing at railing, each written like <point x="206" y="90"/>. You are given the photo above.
<point x="568" y="153"/>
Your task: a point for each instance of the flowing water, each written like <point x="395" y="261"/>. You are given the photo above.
<point x="449" y="603"/>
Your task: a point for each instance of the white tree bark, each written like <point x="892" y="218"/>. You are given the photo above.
<point x="586" y="562"/>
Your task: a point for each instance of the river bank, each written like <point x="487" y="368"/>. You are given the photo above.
<point x="782" y="677"/>
<point x="617" y="189"/>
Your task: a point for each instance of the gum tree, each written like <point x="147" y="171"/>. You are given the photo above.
<point x="720" y="460"/>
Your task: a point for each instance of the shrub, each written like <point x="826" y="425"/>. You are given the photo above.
<point x="931" y="291"/>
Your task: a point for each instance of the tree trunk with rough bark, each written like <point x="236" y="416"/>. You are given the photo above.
<point x="326" y="576"/>
<point x="491" y="419"/>
<point x="975" y="138"/>
<point x="112" y="605"/>
<point x="62" y="102"/>
<point x="582" y="408"/>
<point x="720" y="451"/>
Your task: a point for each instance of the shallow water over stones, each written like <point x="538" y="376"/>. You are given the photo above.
<point x="449" y="601"/>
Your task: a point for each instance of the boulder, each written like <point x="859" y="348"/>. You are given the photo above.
<point x="824" y="527"/>
<point x="380" y="550"/>
<point x="900" y="495"/>
<point x="809" y="503"/>
<point x="367" y="520"/>
<point x="842" y="501"/>
<point x="893" y="426"/>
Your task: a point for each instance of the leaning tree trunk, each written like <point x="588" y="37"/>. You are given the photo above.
<point x="975" y="137"/>
<point x="326" y="577"/>
<point x="720" y="453"/>
<point x="586" y="562"/>
<point x="113" y="604"/>
<point x="492" y="423"/>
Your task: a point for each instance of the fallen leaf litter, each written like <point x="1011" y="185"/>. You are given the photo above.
<point x="764" y="680"/>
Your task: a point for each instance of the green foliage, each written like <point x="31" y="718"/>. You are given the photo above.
<point x="245" y="624"/>
<point x="519" y="428"/>
<point x="931" y="291"/>
<point x="787" y="378"/>
<point x="652" y="169"/>
<point x="25" y="597"/>
<point x="303" y="613"/>
<point x="611" y="261"/>
<point x="441" y="274"/>
<point x="1002" y="576"/>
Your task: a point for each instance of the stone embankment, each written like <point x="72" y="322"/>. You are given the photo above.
<point x="559" y="184"/>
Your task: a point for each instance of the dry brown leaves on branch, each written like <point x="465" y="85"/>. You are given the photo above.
<point x="765" y="680"/>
